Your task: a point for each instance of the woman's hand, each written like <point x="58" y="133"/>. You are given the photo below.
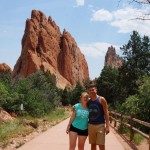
<point x="68" y="129"/>
<point x="71" y="120"/>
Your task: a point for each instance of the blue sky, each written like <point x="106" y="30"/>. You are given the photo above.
<point x="95" y="25"/>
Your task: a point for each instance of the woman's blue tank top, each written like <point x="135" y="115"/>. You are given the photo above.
<point x="96" y="112"/>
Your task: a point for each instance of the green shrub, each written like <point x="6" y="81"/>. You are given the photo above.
<point x="138" y="139"/>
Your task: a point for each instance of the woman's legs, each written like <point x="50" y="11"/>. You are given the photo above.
<point x="72" y="140"/>
<point x="81" y="142"/>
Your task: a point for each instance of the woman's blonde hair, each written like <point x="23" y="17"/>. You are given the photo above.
<point x="83" y="93"/>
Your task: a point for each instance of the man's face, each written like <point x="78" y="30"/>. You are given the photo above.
<point x="92" y="91"/>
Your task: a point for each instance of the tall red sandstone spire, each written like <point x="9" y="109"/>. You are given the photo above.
<point x="45" y="48"/>
<point x="112" y="59"/>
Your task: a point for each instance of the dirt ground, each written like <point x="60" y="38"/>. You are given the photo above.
<point x="20" y="140"/>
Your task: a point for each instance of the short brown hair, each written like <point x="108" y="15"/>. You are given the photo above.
<point x="92" y="85"/>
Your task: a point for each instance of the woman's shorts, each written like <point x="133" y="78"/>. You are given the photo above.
<point x="78" y="131"/>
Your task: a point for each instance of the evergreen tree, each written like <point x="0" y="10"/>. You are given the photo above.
<point x="139" y="104"/>
<point x="76" y="93"/>
<point x="64" y="97"/>
<point x="107" y="84"/>
<point x="38" y="93"/>
<point x="136" y="64"/>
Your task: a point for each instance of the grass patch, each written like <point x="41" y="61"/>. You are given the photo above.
<point x="56" y="115"/>
<point x="137" y="139"/>
<point x="12" y="129"/>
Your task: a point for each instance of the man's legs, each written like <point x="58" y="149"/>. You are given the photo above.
<point x="101" y="147"/>
<point x="93" y="146"/>
<point x="92" y="136"/>
<point x="97" y="136"/>
<point x="101" y="137"/>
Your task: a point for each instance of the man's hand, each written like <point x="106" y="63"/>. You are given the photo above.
<point x="107" y="130"/>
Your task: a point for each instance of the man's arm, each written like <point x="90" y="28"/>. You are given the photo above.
<point x="105" y="108"/>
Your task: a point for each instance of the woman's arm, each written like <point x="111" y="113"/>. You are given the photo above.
<point x="71" y="120"/>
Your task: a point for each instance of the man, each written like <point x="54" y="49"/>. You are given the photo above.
<point x="98" y="117"/>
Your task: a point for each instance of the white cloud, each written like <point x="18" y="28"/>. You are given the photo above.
<point x="124" y="19"/>
<point x="101" y="15"/>
<point x="96" y="50"/>
<point x="80" y="2"/>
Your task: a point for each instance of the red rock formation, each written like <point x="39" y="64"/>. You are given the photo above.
<point x="72" y="64"/>
<point x="112" y="59"/>
<point x="45" y="48"/>
<point x="4" y="67"/>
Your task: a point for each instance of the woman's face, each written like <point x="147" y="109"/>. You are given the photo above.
<point x="84" y="98"/>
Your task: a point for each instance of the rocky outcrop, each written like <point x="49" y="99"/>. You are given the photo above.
<point x="112" y="59"/>
<point x="45" y="48"/>
<point x="4" y="67"/>
<point x="4" y="116"/>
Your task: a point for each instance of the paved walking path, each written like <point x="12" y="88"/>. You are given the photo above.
<point x="55" y="138"/>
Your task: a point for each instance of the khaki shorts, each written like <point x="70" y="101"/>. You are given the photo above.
<point x="96" y="134"/>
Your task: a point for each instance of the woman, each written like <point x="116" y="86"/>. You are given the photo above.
<point x="78" y="123"/>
